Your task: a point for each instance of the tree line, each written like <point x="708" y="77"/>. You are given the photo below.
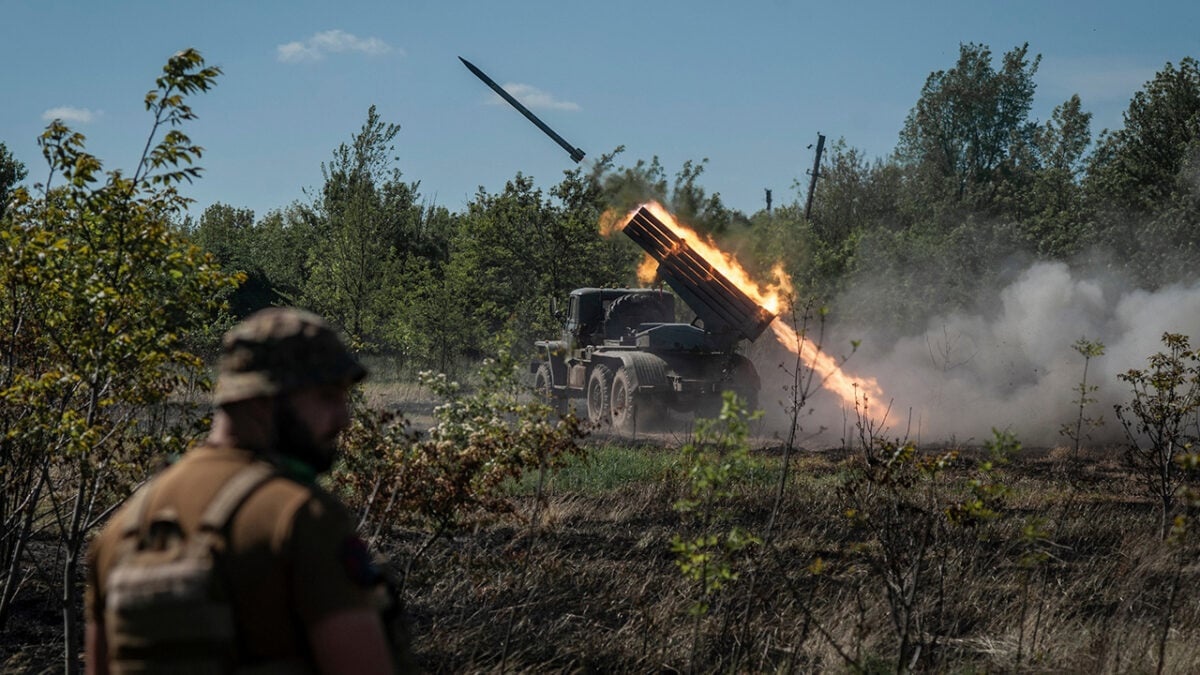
<point x="412" y="279"/>
<point x="974" y="182"/>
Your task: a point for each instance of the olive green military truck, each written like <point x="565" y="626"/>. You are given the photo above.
<point x="623" y="355"/>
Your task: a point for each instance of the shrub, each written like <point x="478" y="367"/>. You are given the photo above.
<point x="1160" y="420"/>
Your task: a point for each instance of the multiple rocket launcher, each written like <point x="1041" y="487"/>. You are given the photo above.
<point x="722" y="306"/>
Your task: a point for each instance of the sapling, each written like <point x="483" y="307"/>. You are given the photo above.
<point x="1089" y="350"/>
<point x="1160" y="420"/>
<point x="891" y="499"/>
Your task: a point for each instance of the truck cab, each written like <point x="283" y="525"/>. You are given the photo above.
<point x="592" y="321"/>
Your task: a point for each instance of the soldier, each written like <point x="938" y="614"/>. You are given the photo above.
<point x="295" y="589"/>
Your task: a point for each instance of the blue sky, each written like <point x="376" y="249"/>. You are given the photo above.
<point x="747" y="85"/>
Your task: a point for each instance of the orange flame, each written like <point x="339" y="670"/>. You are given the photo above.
<point x="772" y="296"/>
<point x="854" y="392"/>
<point x="647" y="271"/>
<point x="612" y="221"/>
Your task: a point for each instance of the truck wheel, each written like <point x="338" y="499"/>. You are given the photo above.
<point x="543" y="388"/>
<point x="598" y="392"/>
<point x="625" y="404"/>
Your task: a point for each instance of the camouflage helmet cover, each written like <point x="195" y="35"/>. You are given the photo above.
<point x="277" y="350"/>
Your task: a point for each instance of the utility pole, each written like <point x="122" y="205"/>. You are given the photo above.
<point x="814" y="174"/>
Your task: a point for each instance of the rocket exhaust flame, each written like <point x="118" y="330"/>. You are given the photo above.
<point x="854" y="392"/>
<point x="752" y="306"/>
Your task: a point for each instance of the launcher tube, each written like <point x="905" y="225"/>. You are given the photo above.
<point x="722" y="306"/>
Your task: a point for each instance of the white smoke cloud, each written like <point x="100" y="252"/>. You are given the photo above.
<point x="533" y="98"/>
<point x="70" y="114"/>
<point x="320" y="44"/>
<point x="1013" y="366"/>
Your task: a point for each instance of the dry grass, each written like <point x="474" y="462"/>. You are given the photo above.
<point x="594" y="587"/>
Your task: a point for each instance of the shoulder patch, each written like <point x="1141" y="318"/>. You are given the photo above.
<point x="356" y="560"/>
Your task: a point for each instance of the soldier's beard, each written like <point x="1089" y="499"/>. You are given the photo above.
<point x="294" y="438"/>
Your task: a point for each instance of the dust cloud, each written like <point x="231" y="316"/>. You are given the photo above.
<point x="1009" y="365"/>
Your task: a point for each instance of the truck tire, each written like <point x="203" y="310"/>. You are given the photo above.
<point x="545" y="391"/>
<point x="598" y="392"/>
<point x="634" y="411"/>
<point x="626" y="404"/>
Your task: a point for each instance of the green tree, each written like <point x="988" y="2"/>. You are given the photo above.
<point x="1084" y="423"/>
<point x="362" y="221"/>
<point x="480" y="441"/>
<point x="694" y="206"/>
<point x="224" y="232"/>
<point x="713" y="462"/>
<point x="948" y="208"/>
<point x="1135" y="168"/>
<point x="1141" y="180"/>
<point x="967" y="125"/>
<point x="592" y="259"/>
<point x="12" y="172"/>
<point x="628" y="186"/>
<point x="625" y="187"/>
<point x="504" y="254"/>
<point x="853" y="197"/>
<point x="434" y="326"/>
<point x="516" y="249"/>
<point x="100" y="291"/>
<point x="283" y="240"/>
<point x="1063" y="141"/>
<point x="1052" y="206"/>
<point x="230" y="235"/>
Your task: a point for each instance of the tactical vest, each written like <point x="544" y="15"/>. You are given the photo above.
<point x="167" y="606"/>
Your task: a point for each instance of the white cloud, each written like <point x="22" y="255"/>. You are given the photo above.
<point x="295" y="52"/>
<point x="69" y="114"/>
<point x="534" y="98"/>
<point x="329" y="42"/>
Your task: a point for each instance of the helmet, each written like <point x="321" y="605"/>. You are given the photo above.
<point x="281" y="349"/>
